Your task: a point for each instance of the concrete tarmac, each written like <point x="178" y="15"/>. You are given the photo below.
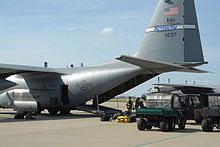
<point x="86" y="130"/>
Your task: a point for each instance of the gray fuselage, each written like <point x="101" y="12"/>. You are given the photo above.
<point x="105" y="81"/>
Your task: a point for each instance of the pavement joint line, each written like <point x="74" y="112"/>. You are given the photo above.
<point x="166" y="139"/>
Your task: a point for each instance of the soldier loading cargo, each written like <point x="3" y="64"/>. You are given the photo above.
<point x="139" y="103"/>
<point x="129" y="105"/>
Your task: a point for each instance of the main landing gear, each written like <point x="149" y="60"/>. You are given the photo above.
<point x="25" y="115"/>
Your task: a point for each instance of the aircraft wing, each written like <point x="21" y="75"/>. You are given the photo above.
<point x="189" y="88"/>
<point x="10" y="69"/>
<point x="156" y="66"/>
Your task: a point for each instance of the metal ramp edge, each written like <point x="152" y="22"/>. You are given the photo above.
<point x="102" y="109"/>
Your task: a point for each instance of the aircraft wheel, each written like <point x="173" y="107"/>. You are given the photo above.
<point x="30" y="116"/>
<point x="65" y="112"/>
<point x="198" y="121"/>
<point x="53" y="111"/>
<point x="38" y="112"/>
<point x="19" y="116"/>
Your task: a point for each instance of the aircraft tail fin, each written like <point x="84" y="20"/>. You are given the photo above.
<point x="173" y="34"/>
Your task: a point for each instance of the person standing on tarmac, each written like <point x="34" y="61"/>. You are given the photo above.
<point x="129" y="105"/>
<point x="139" y="103"/>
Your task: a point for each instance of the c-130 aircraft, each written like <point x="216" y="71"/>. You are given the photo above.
<point x="171" y="43"/>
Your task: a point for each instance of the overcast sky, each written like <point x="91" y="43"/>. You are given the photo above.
<point x="65" y="32"/>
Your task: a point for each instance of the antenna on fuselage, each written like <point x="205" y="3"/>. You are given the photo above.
<point x="81" y="65"/>
<point x="45" y="64"/>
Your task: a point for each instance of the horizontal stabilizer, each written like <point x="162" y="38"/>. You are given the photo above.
<point x="193" y="70"/>
<point x="4" y="84"/>
<point x="156" y="66"/>
<point x="192" y="64"/>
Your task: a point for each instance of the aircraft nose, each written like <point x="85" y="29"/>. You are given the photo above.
<point x="5" y="101"/>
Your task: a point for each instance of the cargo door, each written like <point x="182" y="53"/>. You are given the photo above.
<point x="64" y="94"/>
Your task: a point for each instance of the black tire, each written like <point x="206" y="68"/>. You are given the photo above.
<point x="53" y="111"/>
<point x="105" y="118"/>
<point x="19" y="116"/>
<point x="182" y="125"/>
<point x="65" y="112"/>
<point x="164" y="126"/>
<point x="148" y="127"/>
<point x="141" y="123"/>
<point x="206" y="126"/>
<point x="172" y="125"/>
<point x="30" y="117"/>
<point x="198" y="121"/>
<point x="38" y="112"/>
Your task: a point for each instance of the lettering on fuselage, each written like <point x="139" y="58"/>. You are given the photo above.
<point x="171" y="34"/>
<point x="83" y="85"/>
<point x="166" y="28"/>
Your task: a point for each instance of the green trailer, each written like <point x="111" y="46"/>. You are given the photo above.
<point x="164" y="111"/>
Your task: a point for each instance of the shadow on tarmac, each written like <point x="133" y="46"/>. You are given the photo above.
<point x="216" y="131"/>
<point x="194" y="124"/>
<point x="186" y="130"/>
<point x="9" y="117"/>
<point x="10" y="113"/>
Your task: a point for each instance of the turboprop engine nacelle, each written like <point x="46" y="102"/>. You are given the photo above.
<point x="25" y="106"/>
<point x="20" y="100"/>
